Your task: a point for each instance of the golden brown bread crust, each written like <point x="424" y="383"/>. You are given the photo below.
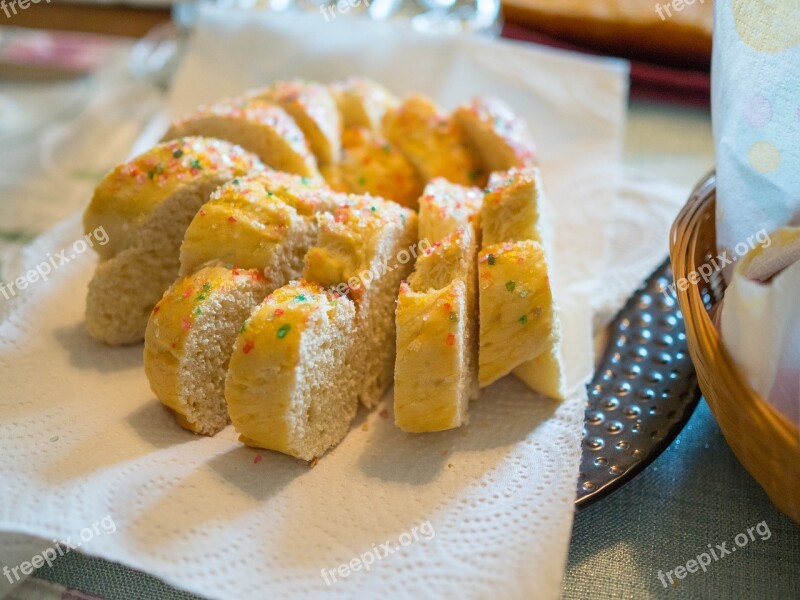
<point x="630" y="28"/>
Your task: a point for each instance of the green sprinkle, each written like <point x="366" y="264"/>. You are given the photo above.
<point x="244" y="326"/>
<point x="362" y="181"/>
<point x="387" y="148"/>
<point x="270" y="193"/>
<point x="195" y="164"/>
<point x="305" y="180"/>
<point x="510" y="285"/>
<point x="453" y="316"/>
<point x="236" y="181"/>
<point x="373" y="208"/>
<point x="283" y="331"/>
<point x="490" y="259"/>
<point x="178" y="153"/>
<point x="150" y="174"/>
<point x="200" y="297"/>
<point x="197" y="311"/>
<point x="523" y="319"/>
<point x="300" y="298"/>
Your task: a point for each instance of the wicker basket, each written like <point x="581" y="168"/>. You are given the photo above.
<point x="763" y="440"/>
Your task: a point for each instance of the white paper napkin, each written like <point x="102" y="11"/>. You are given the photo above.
<point x="83" y="437"/>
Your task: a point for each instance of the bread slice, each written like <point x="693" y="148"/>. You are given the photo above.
<point x="364" y="250"/>
<point x="189" y="339"/>
<point x="436" y="373"/>
<point x="145" y="207"/>
<point x="517" y="302"/>
<point x="496" y="134"/>
<point x="362" y="103"/>
<point x="435" y="144"/>
<point x="291" y="386"/>
<point x="313" y="108"/>
<point x="371" y="165"/>
<point x="258" y="126"/>
<point x="161" y="187"/>
<point x="444" y="207"/>
<point x="247" y="225"/>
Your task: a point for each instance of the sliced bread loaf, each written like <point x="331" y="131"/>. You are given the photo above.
<point x="362" y="103"/>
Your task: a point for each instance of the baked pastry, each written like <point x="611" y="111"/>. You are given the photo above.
<point x="364" y="250"/>
<point x="495" y="134"/>
<point x="313" y="108"/>
<point x="362" y="103"/>
<point x="444" y="207"/>
<point x="290" y="386"/>
<point x="307" y="356"/>
<point x="263" y="128"/>
<point x="264" y="221"/>
<point x="516" y="299"/>
<point x="145" y="206"/>
<point x="371" y="165"/>
<point x="434" y="143"/>
<point x="188" y="341"/>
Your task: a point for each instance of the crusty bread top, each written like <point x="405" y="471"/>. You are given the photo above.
<point x="434" y="142"/>
<point x="257" y="111"/>
<point x="496" y="133"/>
<point x="448" y="259"/>
<point x="445" y="206"/>
<point x="512" y="207"/>
<point x="174" y="315"/>
<point x="313" y="108"/>
<point x="127" y="195"/>
<point x="362" y="102"/>
<point x="267" y="334"/>
<point x="371" y="165"/>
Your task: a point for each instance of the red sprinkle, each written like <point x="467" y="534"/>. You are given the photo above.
<point x="187" y="292"/>
<point x="186" y="324"/>
<point x="248" y="346"/>
<point x="278" y="312"/>
<point x="156" y="309"/>
<point x="202" y="213"/>
<point x="384" y="414"/>
<point x="451" y="339"/>
<point x="232" y="219"/>
<point x="258" y="459"/>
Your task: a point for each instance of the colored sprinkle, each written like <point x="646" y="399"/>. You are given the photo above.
<point x="278" y="312"/>
<point x="305" y="180"/>
<point x="235" y="182"/>
<point x="186" y="324"/>
<point x="207" y="285"/>
<point x="195" y="164"/>
<point x="202" y="213"/>
<point x="373" y="208"/>
<point x="283" y="331"/>
<point x="384" y="414"/>
<point x="156" y="309"/>
<point x="491" y="259"/>
<point x="300" y="298"/>
<point x="258" y="459"/>
<point x="363" y="181"/>
<point x="235" y="271"/>
<point x="454" y="317"/>
<point x="523" y="319"/>
<point x="188" y="292"/>
<point x="232" y="219"/>
<point x="197" y="311"/>
<point x="178" y="153"/>
<point x="243" y="328"/>
<point x="248" y="346"/>
<point x="150" y="175"/>
<point x="447" y="306"/>
<point x="451" y="339"/>
<point x="387" y="148"/>
<point x="510" y="285"/>
<point x="199" y="297"/>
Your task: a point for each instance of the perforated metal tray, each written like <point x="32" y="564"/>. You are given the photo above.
<point x="643" y="392"/>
